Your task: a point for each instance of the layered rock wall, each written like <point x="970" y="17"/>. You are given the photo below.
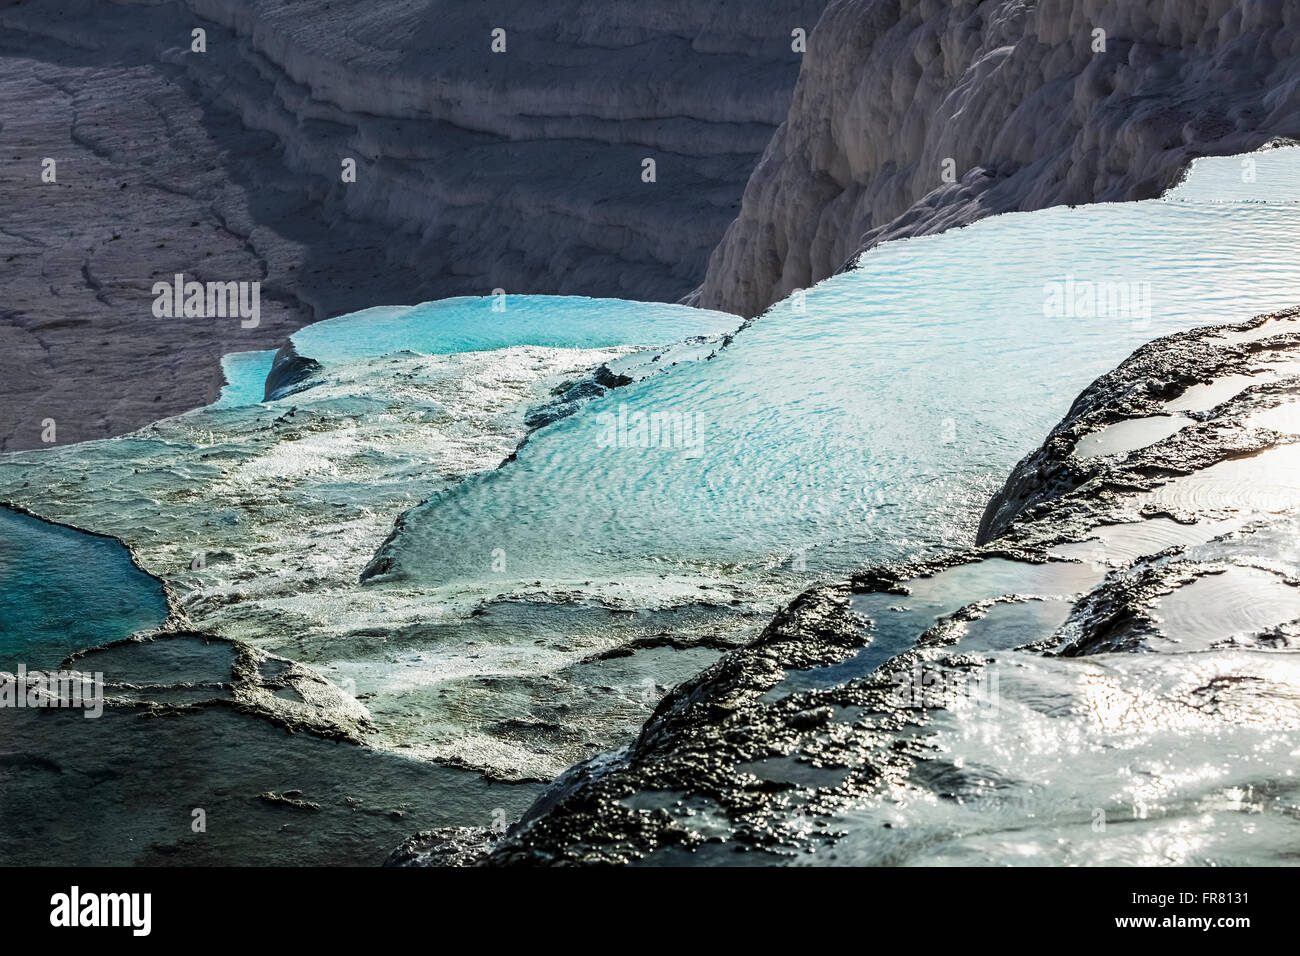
<point x="913" y="116"/>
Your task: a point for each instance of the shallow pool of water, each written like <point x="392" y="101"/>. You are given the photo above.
<point x="869" y="418"/>
<point x="62" y="590"/>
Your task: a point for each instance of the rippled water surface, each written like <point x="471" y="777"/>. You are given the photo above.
<point x="871" y="417"/>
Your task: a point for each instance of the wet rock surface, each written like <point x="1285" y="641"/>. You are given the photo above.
<point x="1126" y="617"/>
<point x="173" y="671"/>
<point x="211" y="752"/>
<point x="289" y="373"/>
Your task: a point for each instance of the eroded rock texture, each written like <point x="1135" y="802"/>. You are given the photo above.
<point x="1014" y="95"/>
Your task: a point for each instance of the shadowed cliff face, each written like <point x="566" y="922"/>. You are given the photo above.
<point x="912" y="116"/>
<point x="476" y="170"/>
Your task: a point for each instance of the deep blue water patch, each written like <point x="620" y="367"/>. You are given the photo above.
<point x="62" y="590"/>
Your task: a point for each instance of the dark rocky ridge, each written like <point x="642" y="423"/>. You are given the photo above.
<point x="289" y="373"/>
<point x="1047" y="482"/>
